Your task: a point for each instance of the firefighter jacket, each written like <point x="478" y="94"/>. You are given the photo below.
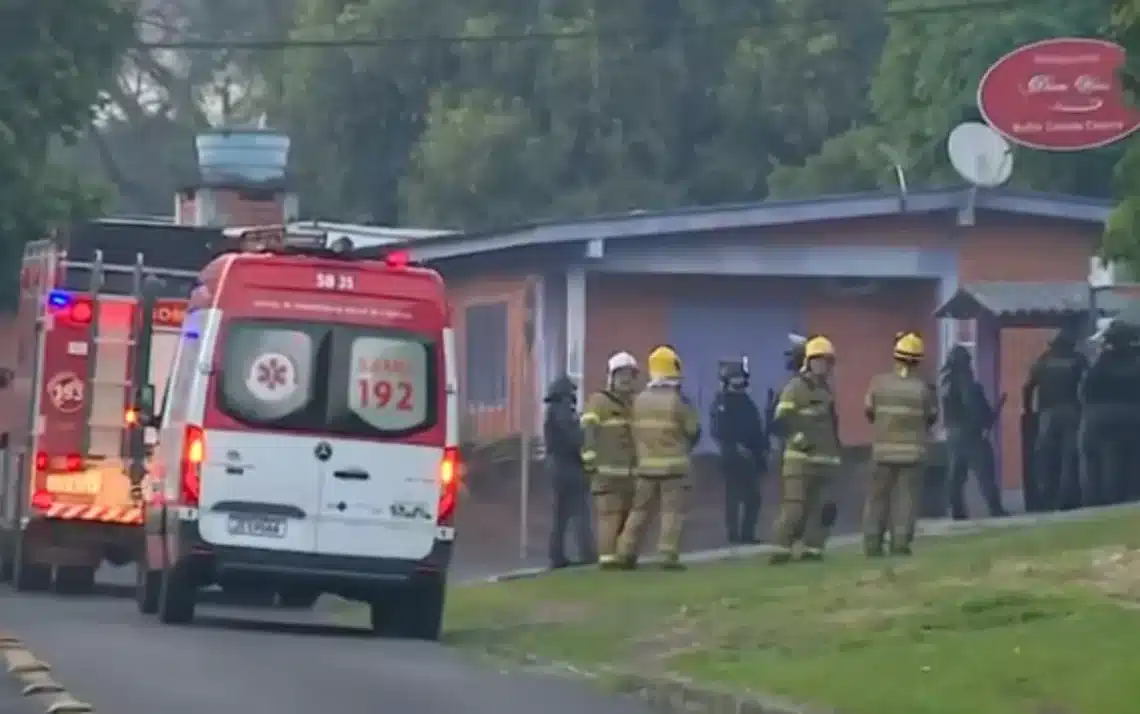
<point x="666" y="427"/>
<point x="607" y="431"/>
<point x="1054" y="379"/>
<point x="805" y="414"/>
<point x="901" y="407"/>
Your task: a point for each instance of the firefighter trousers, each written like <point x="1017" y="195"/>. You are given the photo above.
<point x="668" y="495"/>
<point x="892" y="506"/>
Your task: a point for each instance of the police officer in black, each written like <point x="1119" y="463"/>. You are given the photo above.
<point x="563" y="437"/>
<point x="968" y="417"/>
<point x="1051" y="391"/>
<point x="738" y="430"/>
<point x="1110" y="400"/>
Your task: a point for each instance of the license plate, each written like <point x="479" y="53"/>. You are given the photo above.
<point x="257" y="526"/>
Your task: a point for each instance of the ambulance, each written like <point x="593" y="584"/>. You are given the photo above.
<point x="89" y="342"/>
<point x="308" y="443"/>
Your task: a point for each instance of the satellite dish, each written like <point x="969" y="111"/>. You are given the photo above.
<point x="980" y="155"/>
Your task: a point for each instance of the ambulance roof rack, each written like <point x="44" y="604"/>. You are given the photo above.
<point x="278" y="240"/>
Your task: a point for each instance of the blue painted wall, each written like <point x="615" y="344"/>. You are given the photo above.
<point x="705" y="331"/>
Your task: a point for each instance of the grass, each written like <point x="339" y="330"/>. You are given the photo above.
<point x="1040" y="620"/>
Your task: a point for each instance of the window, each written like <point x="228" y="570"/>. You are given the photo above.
<point x="486" y="355"/>
<point x="330" y="379"/>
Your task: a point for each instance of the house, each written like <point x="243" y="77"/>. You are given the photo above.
<point x="533" y="301"/>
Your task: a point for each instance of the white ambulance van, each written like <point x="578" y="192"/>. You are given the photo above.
<point x="308" y="443"/>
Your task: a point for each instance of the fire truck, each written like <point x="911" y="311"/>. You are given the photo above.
<point x="92" y="340"/>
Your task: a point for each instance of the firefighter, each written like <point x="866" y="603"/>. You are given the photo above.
<point x="738" y="431"/>
<point x="564" y="468"/>
<point x="1110" y="399"/>
<point x="969" y="417"/>
<point x="608" y="452"/>
<point x="902" y="407"/>
<point x="666" y="427"/>
<point x="1051" y="393"/>
<point x="806" y="418"/>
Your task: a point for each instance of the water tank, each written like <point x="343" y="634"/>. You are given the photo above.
<point x="242" y="155"/>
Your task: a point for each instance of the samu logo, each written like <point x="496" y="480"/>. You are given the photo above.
<point x="410" y="511"/>
<point x="65" y="390"/>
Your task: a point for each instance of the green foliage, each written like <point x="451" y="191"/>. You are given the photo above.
<point x="53" y="61"/>
<point x="1122" y="235"/>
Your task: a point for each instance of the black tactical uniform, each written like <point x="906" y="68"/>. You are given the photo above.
<point x="968" y="417"/>
<point x="1051" y="393"/>
<point x="564" y="467"/>
<point x="739" y="432"/>
<point x="1110" y="398"/>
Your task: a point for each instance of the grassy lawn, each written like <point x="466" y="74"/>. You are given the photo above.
<point x="1032" y="621"/>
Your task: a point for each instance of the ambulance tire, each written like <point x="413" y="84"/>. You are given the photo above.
<point x="148" y="586"/>
<point x="411" y="613"/>
<point x="7" y="558"/>
<point x="28" y="576"/>
<point x="74" y="580"/>
<point x="177" y="596"/>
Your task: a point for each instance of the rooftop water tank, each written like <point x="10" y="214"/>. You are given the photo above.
<point x="244" y="155"/>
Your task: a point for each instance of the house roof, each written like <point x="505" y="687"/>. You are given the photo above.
<point x="1018" y="304"/>
<point x="761" y="214"/>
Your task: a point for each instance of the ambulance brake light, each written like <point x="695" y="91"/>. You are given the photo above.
<point x="80" y="313"/>
<point x="41" y="461"/>
<point x="450" y="472"/>
<point x="42" y="500"/>
<point x="131" y="417"/>
<point x="190" y="471"/>
<point x="73" y="462"/>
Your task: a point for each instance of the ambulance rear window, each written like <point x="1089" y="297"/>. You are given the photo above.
<point x="332" y="379"/>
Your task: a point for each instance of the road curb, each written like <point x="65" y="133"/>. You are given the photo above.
<point x="661" y="693"/>
<point x="35" y="675"/>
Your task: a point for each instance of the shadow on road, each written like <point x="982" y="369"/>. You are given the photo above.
<point x="308" y="629"/>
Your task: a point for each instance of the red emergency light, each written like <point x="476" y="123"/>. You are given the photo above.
<point x="399" y="259"/>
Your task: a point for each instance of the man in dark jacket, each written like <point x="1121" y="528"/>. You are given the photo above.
<point x="1051" y="393"/>
<point x="1110" y="399"/>
<point x="563" y="437"/>
<point x="968" y="417"/>
<point x="739" y="432"/>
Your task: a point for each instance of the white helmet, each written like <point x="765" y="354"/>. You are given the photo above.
<point x="620" y="360"/>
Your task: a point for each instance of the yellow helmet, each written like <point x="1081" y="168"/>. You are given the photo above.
<point x="818" y="346"/>
<point x="909" y="347"/>
<point x="663" y="363"/>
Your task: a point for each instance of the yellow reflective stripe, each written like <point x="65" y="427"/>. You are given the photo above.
<point x="783" y="408"/>
<point x="896" y="409"/>
<point x="795" y="455"/>
<point x="663" y="462"/>
<point x="607" y="558"/>
<point x="589" y="418"/>
<point x="656" y="423"/>
<point x="615" y="422"/>
<point x="613" y="470"/>
<point x="811" y="411"/>
<point x="589" y="455"/>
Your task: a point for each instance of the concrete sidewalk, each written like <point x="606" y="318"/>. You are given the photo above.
<point x="939" y="528"/>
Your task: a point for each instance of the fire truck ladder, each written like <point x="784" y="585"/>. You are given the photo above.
<point x="107" y="436"/>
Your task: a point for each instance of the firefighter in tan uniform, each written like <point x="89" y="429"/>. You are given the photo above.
<point x="665" y="430"/>
<point x="608" y="454"/>
<point x="902" y="407"/>
<point x="805" y="416"/>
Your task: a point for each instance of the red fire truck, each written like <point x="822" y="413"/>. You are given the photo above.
<point x="85" y="363"/>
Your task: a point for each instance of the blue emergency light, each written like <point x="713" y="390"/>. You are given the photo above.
<point x="58" y="298"/>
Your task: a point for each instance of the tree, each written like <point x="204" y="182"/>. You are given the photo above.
<point x="1122" y="235"/>
<point x="54" y="61"/>
<point x="926" y="82"/>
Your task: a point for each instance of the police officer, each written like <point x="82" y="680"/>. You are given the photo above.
<point x="806" y="418"/>
<point x="1109" y="395"/>
<point x="902" y="407"/>
<point x="739" y="432"/>
<point x="1051" y="392"/>
<point x="666" y="427"/>
<point x="968" y="416"/>
<point x="564" y="468"/>
<point x="608" y="453"/>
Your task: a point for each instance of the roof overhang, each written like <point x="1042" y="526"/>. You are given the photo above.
<point x="764" y="214"/>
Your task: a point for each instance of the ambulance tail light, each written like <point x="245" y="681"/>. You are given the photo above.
<point x="42" y="500"/>
<point x="73" y="462"/>
<point x="81" y="312"/>
<point x="450" y="473"/>
<point x="42" y="461"/>
<point x="190" y="468"/>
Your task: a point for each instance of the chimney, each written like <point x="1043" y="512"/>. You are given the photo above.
<point x="241" y="181"/>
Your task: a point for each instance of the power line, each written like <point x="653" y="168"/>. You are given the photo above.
<point x="445" y="40"/>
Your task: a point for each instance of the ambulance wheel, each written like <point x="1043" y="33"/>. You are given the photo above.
<point x="148" y="586"/>
<point x="177" y="595"/>
<point x="74" y="580"/>
<point x="7" y="560"/>
<point x="414" y="612"/>
<point x="28" y="576"/>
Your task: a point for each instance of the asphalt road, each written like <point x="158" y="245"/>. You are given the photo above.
<point x="264" y="662"/>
